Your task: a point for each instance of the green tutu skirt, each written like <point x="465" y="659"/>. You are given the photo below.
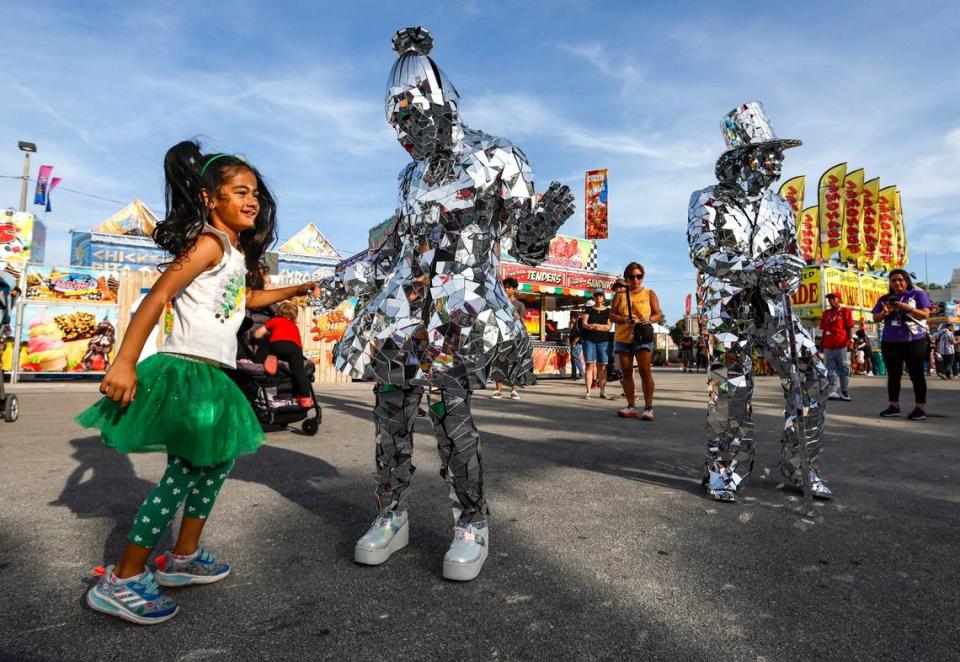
<point x="182" y="407"/>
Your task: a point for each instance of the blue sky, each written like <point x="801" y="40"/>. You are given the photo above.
<point x="639" y="88"/>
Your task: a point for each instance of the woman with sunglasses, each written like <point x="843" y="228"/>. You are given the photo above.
<point x="637" y="305"/>
<point x="595" y="343"/>
<point x="904" y="312"/>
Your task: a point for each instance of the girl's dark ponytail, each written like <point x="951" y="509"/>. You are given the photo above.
<point x="188" y="172"/>
<point x="186" y="212"/>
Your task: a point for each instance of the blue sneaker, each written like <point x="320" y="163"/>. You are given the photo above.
<point x="136" y="599"/>
<point x="201" y="569"/>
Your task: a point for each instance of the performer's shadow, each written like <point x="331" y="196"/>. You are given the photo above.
<point x="308" y="482"/>
<point x="621" y="460"/>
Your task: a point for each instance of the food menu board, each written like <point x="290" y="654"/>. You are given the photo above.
<point x="79" y="284"/>
<point x="67" y="337"/>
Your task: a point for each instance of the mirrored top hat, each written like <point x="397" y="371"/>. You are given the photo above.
<point x="416" y="69"/>
<point x="747" y="126"/>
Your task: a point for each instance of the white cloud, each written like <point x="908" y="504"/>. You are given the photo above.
<point x="522" y="114"/>
<point x="619" y="68"/>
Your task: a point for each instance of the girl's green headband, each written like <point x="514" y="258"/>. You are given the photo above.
<point x="214" y="158"/>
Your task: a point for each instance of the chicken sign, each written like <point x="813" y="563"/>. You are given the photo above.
<point x="595" y="208"/>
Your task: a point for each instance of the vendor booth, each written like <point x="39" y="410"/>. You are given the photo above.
<point x="307" y="255"/>
<point x="121" y="242"/>
<point x="22" y="240"/>
<point x="67" y="321"/>
<point x="563" y="282"/>
<point x="859" y="291"/>
<point x="71" y="319"/>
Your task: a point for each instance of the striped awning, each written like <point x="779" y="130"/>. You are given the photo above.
<point x="552" y="289"/>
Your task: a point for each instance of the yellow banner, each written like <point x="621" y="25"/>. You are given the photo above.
<point x="902" y="248"/>
<point x="871" y="223"/>
<point x="851" y="248"/>
<point x="792" y="192"/>
<point x="847" y="283"/>
<point x="808" y="299"/>
<point x="808" y="234"/>
<point x="871" y="289"/>
<point x="886" y="202"/>
<point x="830" y="199"/>
<point x="858" y="291"/>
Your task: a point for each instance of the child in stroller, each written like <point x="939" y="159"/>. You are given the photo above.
<point x="286" y="345"/>
<point x="273" y="397"/>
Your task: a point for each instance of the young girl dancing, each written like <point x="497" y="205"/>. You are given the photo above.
<point x="220" y="220"/>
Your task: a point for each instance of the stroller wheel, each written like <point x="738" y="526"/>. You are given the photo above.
<point x="311" y="426"/>
<point x="11" y="409"/>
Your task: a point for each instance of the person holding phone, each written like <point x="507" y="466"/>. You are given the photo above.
<point x="904" y="312"/>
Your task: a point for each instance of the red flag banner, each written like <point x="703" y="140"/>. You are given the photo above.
<point x="688" y="305"/>
<point x="595" y="204"/>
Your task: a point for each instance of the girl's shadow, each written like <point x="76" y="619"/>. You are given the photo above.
<point x="104" y="484"/>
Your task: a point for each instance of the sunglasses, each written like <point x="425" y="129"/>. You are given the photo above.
<point x="635" y="277"/>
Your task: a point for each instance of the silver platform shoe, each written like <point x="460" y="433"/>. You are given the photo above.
<point x="389" y="533"/>
<point x="818" y="488"/>
<point x="468" y="551"/>
<point x="721" y="483"/>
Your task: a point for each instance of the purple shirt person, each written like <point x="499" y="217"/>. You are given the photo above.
<point x="900" y="325"/>
<point x="904" y="312"/>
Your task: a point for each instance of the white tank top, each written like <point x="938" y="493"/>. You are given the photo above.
<point x="208" y="312"/>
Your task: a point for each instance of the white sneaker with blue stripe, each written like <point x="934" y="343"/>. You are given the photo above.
<point x="136" y="599"/>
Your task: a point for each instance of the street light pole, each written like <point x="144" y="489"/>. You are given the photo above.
<point x="27" y="148"/>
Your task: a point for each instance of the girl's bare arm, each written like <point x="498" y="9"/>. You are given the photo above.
<point x="120" y="382"/>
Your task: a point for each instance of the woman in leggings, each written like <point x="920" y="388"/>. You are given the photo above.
<point x="904" y="312"/>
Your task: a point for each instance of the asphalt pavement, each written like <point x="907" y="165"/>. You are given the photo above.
<point x="602" y="545"/>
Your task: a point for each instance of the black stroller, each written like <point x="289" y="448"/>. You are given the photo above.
<point x="272" y="396"/>
<point x="9" y="405"/>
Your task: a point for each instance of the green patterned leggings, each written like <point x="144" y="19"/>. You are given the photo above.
<point x="182" y="481"/>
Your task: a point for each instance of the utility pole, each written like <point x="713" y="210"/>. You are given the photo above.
<point x="27" y="148"/>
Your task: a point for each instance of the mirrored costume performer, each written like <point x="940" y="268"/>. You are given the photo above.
<point x="742" y="238"/>
<point x="433" y="313"/>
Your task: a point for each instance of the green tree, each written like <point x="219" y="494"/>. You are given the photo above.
<point x="678" y="331"/>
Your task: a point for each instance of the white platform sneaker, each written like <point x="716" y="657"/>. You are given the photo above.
<point x="389" y="533"/>
<point x="468" y="551"/>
